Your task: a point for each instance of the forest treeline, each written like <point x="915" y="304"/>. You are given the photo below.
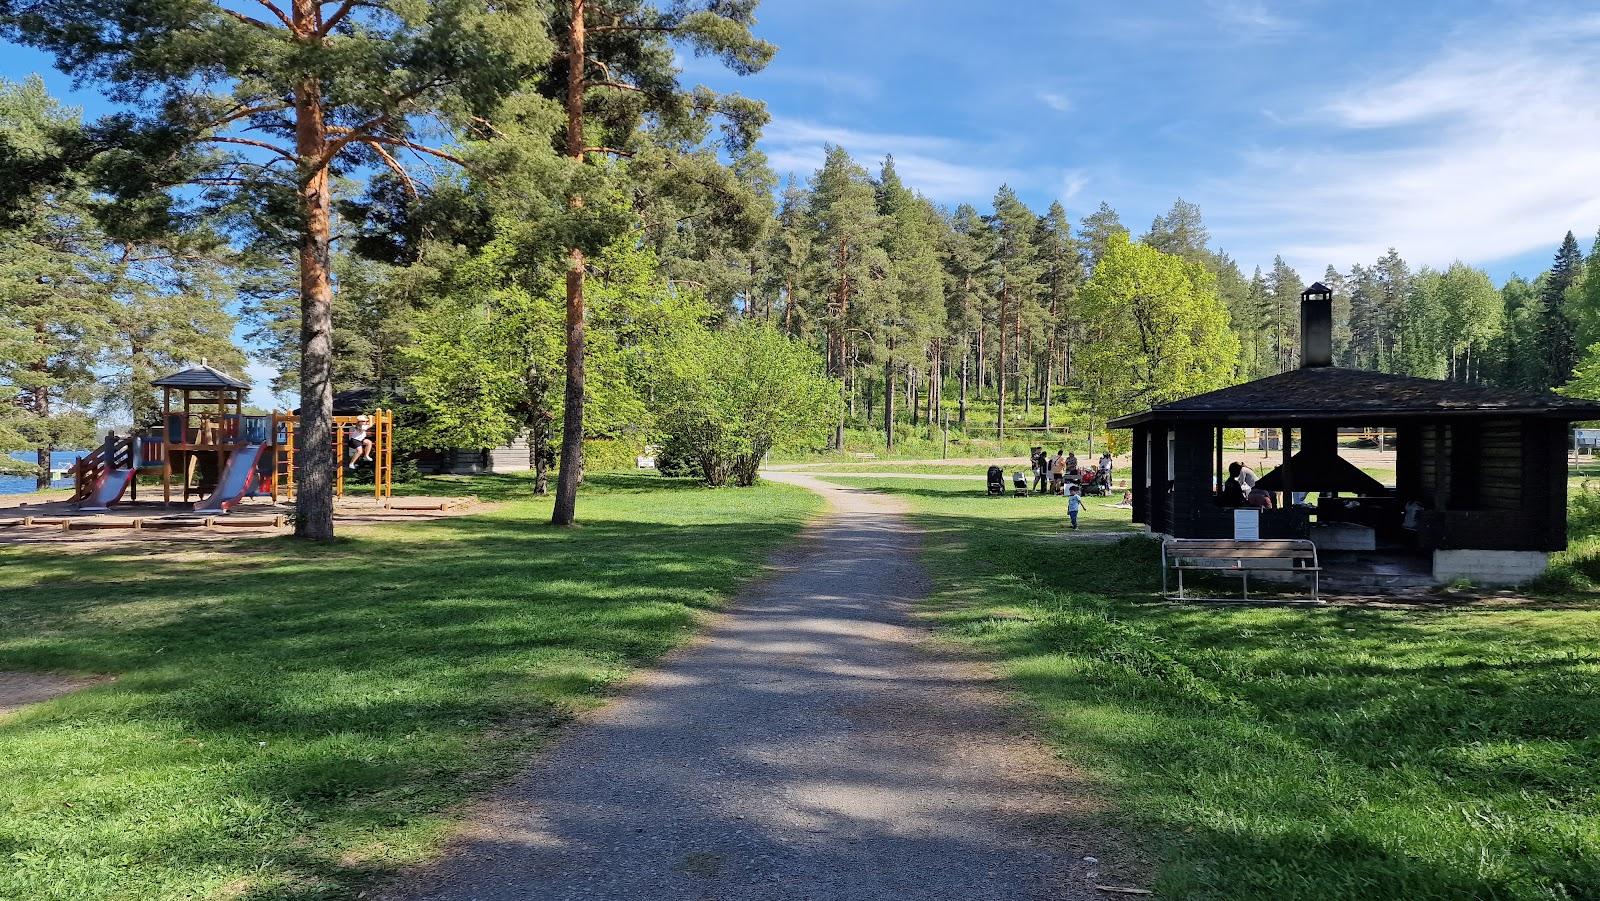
<point x="532" y="226"/>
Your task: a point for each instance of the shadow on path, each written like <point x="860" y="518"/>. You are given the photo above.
<point x="809" y="746"/>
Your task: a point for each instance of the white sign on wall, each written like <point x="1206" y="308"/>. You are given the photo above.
<point x="1247" y="525"/>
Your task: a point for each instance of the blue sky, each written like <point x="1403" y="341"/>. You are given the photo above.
<point x="1324" y="130"/>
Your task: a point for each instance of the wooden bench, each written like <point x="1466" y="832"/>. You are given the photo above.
<point x="1295" y="556"/>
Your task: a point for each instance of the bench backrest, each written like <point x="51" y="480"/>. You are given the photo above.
<point x="1296" y="551"/>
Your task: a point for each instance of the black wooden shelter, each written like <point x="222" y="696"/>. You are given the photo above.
<point x="1476" y="467"/>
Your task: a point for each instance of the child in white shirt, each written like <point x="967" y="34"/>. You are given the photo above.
<point x="1074" y="505"/>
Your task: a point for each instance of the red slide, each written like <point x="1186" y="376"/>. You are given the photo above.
<point x="237" y="477"/>
<point x="108" y="490"/>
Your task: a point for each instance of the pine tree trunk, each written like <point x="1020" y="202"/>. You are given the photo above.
<point x="41" y="409"/>
<point x="572" y="416"/>
<point x="1049" y="370"/>
<point x="314" y="457"/>
<point x="888" y="400"/>
<point x="1000" y="383"/>
<point x="911" y="394"/>
<point x="983" y="365"/>
<point x="961" y="400"/>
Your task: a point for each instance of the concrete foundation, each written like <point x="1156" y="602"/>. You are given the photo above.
<point x="1489" y="567"/>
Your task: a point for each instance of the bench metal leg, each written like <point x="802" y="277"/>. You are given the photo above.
<point x="1180" y="583"/>
<point x="1246" y="573"/>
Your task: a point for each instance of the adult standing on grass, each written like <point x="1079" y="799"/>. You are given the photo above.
<point x="1058" y="472"/>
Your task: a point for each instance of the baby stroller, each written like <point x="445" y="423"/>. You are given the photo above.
<point x="1096" y="482"/>
<point x="997" y="481"/>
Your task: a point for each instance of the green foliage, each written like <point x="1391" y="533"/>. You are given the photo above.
<point x="1161" y="332"/>
<point x="729" y="397"/>
<point x="484" y="364"/>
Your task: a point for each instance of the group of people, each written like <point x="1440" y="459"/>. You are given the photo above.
<point x="1058" y="473"/>
<point x="1240" y="489"/>
<point x="1063" y="475"/>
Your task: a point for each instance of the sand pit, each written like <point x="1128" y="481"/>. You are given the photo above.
<point x="18" y="690"/>
<point x="36" y="519"/>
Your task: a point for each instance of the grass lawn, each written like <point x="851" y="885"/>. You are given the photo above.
<point x="290" y="721"/>
<point x="1290" y="753"/>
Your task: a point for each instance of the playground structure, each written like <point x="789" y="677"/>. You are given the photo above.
<point x="207" y="446"/>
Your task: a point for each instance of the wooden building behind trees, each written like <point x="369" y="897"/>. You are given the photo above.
<point x="1481" y="476"/>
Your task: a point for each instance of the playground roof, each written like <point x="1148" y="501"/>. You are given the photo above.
<point x="1353" y="395"/>
<point x="202" y="376"/>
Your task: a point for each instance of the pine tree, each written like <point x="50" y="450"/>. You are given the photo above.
<point x="54" y="295"/>
<point x="169" y="309"/>
<point x="1096" y="232"/>
<point x="1342" y="332"/>
<point x="1181" y="232"/>
<point x="1390" y="280"/>
<point x="1234" y="292"/>
<point x="968" y="261"/>
<point x="906" y="319"/>
<point x="1583" y="299"/>
<point x="1016" y="273"/>
<point x="788" y="256"/>
<point x="1283" y="299"/>
<point x="1060" y="278"/>
<point x="618" y="86"/>
<point x="1557" y="332"/>
<point x="848" y="260"/>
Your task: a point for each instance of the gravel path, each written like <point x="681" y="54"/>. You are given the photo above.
<point x="810" y="746"/>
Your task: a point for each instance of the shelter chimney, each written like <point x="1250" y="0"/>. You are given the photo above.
<point x="1316" y="326"/>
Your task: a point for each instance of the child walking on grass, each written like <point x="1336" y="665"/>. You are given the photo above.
<point x="1074" y="505"/>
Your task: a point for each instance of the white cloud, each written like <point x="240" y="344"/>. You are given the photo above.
<point x="1488" y="150"/>
<point x="1061" y="103"/>
<point x="1251" y="18"/>
<point x="1073" y="183"/>
<point x="941" y="168"/>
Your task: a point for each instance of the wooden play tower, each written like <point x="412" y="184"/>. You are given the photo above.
<point x="203" y="425"/>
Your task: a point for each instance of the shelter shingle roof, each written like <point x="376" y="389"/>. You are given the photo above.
<point x="1356" y="396"/>
<point x="202" y="376"/>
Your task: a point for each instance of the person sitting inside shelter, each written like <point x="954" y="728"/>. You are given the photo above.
<point x="1261" y="500"/>
<point x="1247" y="477"/>
<point x="1233" y="493"/>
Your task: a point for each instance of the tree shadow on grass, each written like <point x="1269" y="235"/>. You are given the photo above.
<point x="272" y="689"/>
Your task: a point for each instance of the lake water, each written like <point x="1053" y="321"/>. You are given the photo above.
<point x="23" y="484"/>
